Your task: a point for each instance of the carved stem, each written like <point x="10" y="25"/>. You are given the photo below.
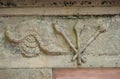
<point x="78" y="32"/>
<point x="61" y="32"/>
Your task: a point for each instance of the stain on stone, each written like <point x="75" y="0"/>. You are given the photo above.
<point x="7" y="4"/>
<point x="70" y="3"/>
<point x="89" y="2"/>
<point x="106" y="2"/>
<point x="1" y="3"/>
<point x="86" y="3"/>
<point x="58" y="3"/>
<point x="99" y="55"/>
<point x="10" y="4"/>
<point x="54" y="3"/>
<point x="36" y="1"/>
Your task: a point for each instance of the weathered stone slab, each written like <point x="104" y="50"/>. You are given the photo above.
<point x="60" y="61"/>
<point x="53" y="41"/>
<point x="101" y="61"/>
<point x="37" y="62"/>
<point x="25" y="74"/>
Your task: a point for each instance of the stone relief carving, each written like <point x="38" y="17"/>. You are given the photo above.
<point x="102" y="49"/>
<point x="80" y="52"/>
<point x="25" y="42"/>
<point x="29" y="42"/>
<point x="78" y="31"/>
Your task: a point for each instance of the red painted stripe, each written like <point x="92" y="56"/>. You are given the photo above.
<point x="109" y="73"/>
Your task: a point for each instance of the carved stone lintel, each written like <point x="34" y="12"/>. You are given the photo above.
<point x="30" y="44"/>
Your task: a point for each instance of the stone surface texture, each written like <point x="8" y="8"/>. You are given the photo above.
<point x="25" y="74"/>
<point x="37" y="41"/>
<point x="57" y="3"/>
